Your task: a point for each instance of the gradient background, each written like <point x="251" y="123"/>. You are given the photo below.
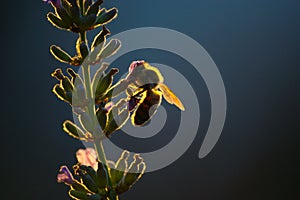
<point x="254" y="43"/>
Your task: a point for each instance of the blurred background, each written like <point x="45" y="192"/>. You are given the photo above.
<point x="255" y="45"/>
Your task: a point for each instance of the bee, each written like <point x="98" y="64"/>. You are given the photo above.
<point x="149" y="90"/>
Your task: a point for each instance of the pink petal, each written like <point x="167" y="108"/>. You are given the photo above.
<point x="87" y="157"/>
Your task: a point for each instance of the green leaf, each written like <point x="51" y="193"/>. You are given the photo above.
<point x="73" y="130"/>
<point x="60" y="55"/>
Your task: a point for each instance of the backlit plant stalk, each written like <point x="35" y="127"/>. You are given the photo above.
<point x="92" y="96"/>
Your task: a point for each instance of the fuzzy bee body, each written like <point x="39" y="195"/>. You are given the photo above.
<point x="149" y="90"/>
<point x="147" y="108"/>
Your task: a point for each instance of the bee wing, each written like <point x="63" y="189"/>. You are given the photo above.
<point x="170" y="97"/>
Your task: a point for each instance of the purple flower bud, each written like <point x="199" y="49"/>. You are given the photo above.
<point x="55" y="3"/>
<point x="108" y="106"/>
<point x="65" y="176"/>
<point x="135" y="64"/>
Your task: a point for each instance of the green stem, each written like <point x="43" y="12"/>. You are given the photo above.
<point x="82" y="36"/>
<point x="91" y="110"/>
<point x="102" y="158"/>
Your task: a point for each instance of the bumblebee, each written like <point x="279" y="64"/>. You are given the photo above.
<point x="148" y="90"/>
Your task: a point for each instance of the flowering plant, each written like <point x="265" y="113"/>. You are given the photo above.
<point x="92" y="99"/>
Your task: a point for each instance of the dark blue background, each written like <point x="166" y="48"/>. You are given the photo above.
<point x="256" y="47"/>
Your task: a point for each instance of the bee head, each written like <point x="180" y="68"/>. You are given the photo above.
<point x="135" y="64"/>
<point x="142" y="73"/>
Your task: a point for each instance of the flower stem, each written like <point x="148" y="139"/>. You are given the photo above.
<point x="82" y="36"/>
<point x="91" y="110"/>
<point x="102" y="158"/>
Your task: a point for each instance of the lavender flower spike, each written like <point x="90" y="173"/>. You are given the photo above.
<point x="65" y="176"/>
<point x="55" y="3"/>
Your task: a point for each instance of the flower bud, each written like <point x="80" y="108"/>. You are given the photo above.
<point x="73" y="74"/>
<point x="61" y="94"/>
<point x="117" y="89"/>
<point x="94" y="8"/>
<point x="56" y="21"/>
<point x="64" y="16"/>
<point x="88" y="181"/>
<point x="78" y="90"/>
<point x="95" y="197"/>
<point x="76" y="61"/>
<point x="99" y="75"/>
<point x="105" y="82"/>
<point x="80" y="4"/>
<point x="87" y="21"/>
<point x="73" y="2"/>
<point x="79" y="194"/>
<point x="60" y="55"/>
<point x="110" y="49"/>
<point x="99" y="40"/>
<point x="75" y="13"/>
<point x="105" y="16"/>
<point x="89" y="170"/>
<point x="82" y="49"/>
<point x="55" y="3"/>
<point x="102" y="117"/>
<point x="120" y="168"/>
<point x="135" y="171"/>
<point x="102" y="176"/>
<point x="116" y="119"/>
<point x="73" y="130"/>
<point x="86" y="4"/>
<point x="65" y="176"/>
<point x="76" y="185"/>
<point x="64" y="81"/>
